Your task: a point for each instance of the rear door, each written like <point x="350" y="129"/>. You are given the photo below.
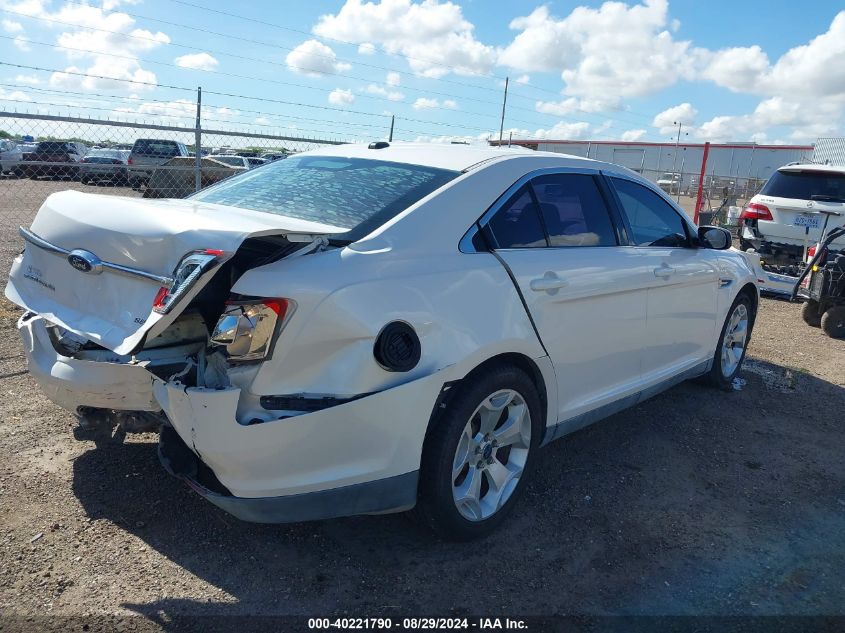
<point x="683" y="281"/>
<point x="586" y="294"/>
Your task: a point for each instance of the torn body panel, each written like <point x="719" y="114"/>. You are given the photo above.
<point x="371" y="438"/>
<point x="143" y="245"/>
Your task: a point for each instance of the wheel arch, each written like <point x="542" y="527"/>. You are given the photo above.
<point x="750" y="290"/>
<point x="516" y="359"/>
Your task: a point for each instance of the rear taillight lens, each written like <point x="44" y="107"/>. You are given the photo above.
<point x="130" y="161"/>
<point x="189" y="270"/>
<point x="756" y="211"/>
<point x="246" y="329"/>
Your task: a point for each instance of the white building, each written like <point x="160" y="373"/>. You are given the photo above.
<point x="731" y="161"/>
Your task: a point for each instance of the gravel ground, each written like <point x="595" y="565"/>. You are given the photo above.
<point x="695" y="502"/>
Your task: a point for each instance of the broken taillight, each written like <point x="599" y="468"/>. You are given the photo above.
<point x="246" y="329"/>
<point x="189" y="270"/>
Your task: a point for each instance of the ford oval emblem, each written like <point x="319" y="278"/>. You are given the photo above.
<point x="85" y="261"/>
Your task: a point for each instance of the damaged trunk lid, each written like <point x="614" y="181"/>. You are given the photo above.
<point x="96" y="265"/>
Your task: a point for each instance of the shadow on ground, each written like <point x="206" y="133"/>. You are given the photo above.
<point x="697" y="501"/>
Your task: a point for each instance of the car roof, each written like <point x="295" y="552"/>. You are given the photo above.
<point x="835" y="169"/>
<point x="440" y="155"/>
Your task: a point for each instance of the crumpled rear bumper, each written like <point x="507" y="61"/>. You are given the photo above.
<point x="358" y="457"/>
<point x="384" y="495"/>
<point x="71" y="382"/>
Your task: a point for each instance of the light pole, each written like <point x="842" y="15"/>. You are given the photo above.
<point x="680" y="125"/>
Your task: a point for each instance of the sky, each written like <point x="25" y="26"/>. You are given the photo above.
<point x="721" y="71"/>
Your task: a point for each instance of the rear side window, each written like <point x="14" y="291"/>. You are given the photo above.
<point x="573" y="210"/>
<point x="653" y="221"/>
<point x="350" y="193"/>
<point x="159" y="149"/>
<point x="517" y="223"/>
<point x="803" y="185"/>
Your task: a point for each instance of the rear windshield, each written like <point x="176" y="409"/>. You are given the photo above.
<point x="351" y="193"/>
<point x="803" y="185"/>
<point x="159" y="149"/>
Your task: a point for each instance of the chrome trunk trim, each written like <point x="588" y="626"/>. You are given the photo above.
<point x="43" y="244"/>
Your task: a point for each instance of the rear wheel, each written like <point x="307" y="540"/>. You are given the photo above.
<point x="833" y="322"/>
<point x="733" y="342"/>
<point x="478" y="458"/>
<point x="810" y="313"/>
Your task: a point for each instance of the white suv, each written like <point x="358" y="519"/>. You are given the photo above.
<point x="363" y="329"/>
<point x="789" y="212"/>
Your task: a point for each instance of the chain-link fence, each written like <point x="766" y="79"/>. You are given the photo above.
<point x="829" y="151"/>
<point x="42" y="154"/>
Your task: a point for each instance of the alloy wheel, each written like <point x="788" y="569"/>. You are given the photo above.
<point x="491" y="455"/>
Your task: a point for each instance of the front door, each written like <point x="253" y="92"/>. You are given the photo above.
<point x="586" y="294"/>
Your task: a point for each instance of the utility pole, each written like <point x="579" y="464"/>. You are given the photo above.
<point x="680" y="125"/>
<point x="392" y="119"/>
<point x="198" y="144"/>
<point x="504" y="103"/>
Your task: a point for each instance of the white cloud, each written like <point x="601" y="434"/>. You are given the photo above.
<point x="604" y="55"/>
<point x="31" y="80"/>
<point x="117" y="27"/>
<point x="366" y="48"/>
<point x="434" y="35"/>
<point x="392" y="95"/>
<point x="14" y="95"/>
<point x="315" y="59"/>
<point x="667" y="120"/>
<point x="424" y="103"/>
<point x="393" y="79"/>
<point x="340" y="97"/>
<point x="563" y="130"/>
<point x="21" y="43"/>
<point x="111" y="74"/>
<point x="573" y="104"/>
<point x="523" y="79"/>
<point x="633" y="135"/>
<point x="197" y="61"/>
<point x="10" y="26"/>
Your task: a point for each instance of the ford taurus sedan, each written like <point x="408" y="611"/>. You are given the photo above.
<point x="370" y="329"/>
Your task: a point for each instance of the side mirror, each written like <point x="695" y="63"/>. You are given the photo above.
<point x="715" y="237"/>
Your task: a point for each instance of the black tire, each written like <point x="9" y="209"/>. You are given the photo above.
<point x="716" y="376"/>
<point x="84" y="180"/>
<point x="436" y="507"/>
<point x="833" y="322"/>
<point x="810" y="313"/>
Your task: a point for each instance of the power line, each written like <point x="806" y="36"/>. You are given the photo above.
<point x="236" y="96"/>
<point x="332" y="58"/>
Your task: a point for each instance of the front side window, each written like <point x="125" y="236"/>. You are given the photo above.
<point x="354" y="194"/>
<point x="653" y="221"/>
<point x="517" y="223"/>
<point x="573" y="210"/>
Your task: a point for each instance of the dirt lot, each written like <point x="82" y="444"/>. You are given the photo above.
<point x="697" y="501"/>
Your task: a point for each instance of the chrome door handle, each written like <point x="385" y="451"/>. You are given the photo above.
<point x="664" y="271"/>
<point x="549" y="282"/>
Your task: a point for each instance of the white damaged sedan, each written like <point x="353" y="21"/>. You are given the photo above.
<point x="369" y="329"/>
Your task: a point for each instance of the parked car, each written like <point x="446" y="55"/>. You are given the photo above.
<point x="365" y="329"/>
<point x="10" y="157"/>
<point x="669" y="182"/>
<point x="789" y="212"/>
<point x="256" y="162"/>
<point x="149" y="153"/>
<point x="271" y="156"/>
<point x="54" y="159"/>
<point x="105" y="164"/>
<point x="232" y="160"/>
<point x="177" y="177"/>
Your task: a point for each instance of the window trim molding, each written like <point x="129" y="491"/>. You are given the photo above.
<point x="465" y="244"/>
<point x="691" y="229"/>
